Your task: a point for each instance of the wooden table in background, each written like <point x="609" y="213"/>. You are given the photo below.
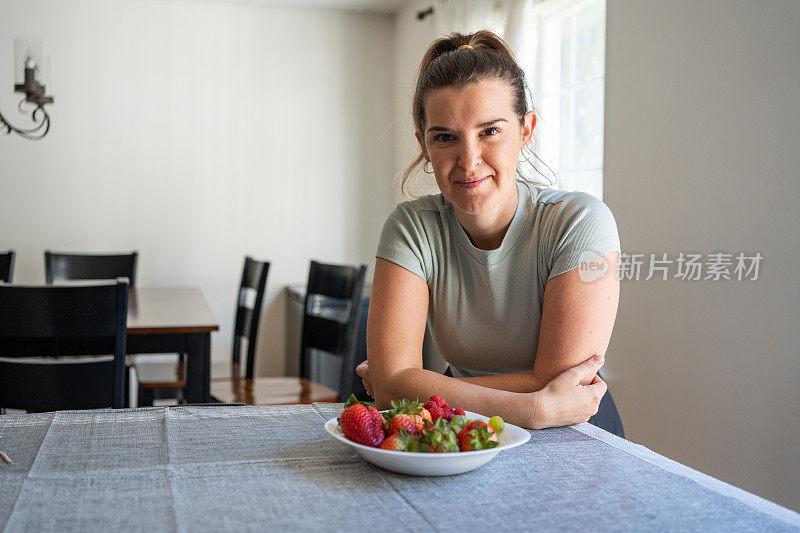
<point x="174" y="320"/>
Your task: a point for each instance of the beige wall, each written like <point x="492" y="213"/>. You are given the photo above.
<point x="702" y="127"/>
<point x="198" y="132"/>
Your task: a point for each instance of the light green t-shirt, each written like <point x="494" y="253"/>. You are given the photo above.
<point x="486" y="305"/>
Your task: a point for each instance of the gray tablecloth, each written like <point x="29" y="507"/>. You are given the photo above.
<point x="275" y="468"/>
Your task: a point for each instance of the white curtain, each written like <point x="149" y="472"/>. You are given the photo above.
<point x="468" y="16"/>
<point x="511" y="19"/>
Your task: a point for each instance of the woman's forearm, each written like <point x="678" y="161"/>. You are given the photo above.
<point x="519" y="382"/>
<point x="524" y="409"/>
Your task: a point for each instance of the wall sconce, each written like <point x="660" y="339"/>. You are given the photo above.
<point x="29" y="68"/>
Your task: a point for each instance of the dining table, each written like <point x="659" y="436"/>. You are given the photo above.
<point x="174" y="320"/>
<point x="245" y="468"/>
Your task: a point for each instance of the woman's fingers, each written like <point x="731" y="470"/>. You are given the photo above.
<point x="583" y="373"/>
<point x="599" y="387"/>
<point x="363" y="371"/>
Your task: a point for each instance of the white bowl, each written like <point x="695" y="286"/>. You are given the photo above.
<point x="434" y="464"/>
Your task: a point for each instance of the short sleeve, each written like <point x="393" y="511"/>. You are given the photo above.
<point x="403" y="241"/>
<point x="584" y="228"/>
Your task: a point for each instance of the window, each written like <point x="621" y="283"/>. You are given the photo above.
<point x="566" y="72"/>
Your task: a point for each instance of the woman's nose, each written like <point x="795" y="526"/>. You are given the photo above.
<point x="469" y="156"/>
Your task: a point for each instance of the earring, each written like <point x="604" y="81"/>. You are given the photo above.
<point x="425" y="169"/>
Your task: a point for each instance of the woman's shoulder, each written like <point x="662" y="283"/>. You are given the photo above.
<point x="422" y="211"/>
<point x="413" y="234"/>
<point x="556" y="198"/>
<point x="560" y="204"/>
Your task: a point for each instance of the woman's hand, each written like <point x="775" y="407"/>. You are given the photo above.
<point x="566" y="401"/>
<point x="363" y="371"/>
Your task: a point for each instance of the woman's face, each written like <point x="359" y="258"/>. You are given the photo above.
<point x="472" y="139"/>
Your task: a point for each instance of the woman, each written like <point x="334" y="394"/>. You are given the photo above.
<point x="491" y="262"/>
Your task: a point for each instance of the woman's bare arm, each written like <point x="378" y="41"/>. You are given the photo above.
<point x="577" y="320"/>
<point x="396" y="326"/>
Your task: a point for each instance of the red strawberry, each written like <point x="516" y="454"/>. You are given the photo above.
<point x="440" y="437"/>
<point x="460" y="411"/>
<point x="411" y="423"/>
<point x="406" y="407"/>
<point x="437" y="400"/>
<point x="402" y="441"/>
<point x="448" y="412"/>
<point x="477" y="435"/>
<point x="473" y="424"/>
<point x="362" y="424"/>
<point x="435" y="411"/>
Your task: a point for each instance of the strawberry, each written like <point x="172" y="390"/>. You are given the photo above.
<point x="474" y="424"/>
<point x="362" y="423"/>
<point x="460" y="411"/>
<point x="410" y="414"/>
<point x="441" y="409"/>
<point x="477" y="435"/>
<point x="411" y="423"/>
<point x="448" y="412"/>
<point x="440" y="437"/>
<point x="435" y="411"/>
<point x="402" y="441"/>
<point x="406" y="407"/>
<point x="437" y="400"/>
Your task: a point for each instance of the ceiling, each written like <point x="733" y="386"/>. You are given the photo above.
<point x="381" y="6"/>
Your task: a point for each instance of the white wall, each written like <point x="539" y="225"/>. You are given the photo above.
<point x="411" y="39"/>
<point x="198" y="132"/>
<point x="702" y="126"/>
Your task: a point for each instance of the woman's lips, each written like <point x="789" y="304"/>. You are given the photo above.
<point x="471" y="184"/>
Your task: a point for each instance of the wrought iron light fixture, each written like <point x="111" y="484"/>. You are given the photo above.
<point x="28" y="63"/>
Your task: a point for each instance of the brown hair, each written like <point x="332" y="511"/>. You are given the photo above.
<point x="445" y="65"/>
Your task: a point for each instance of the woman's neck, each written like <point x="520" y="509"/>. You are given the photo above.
<point x="487" y="230"/>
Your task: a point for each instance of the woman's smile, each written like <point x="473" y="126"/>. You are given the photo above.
<point x="472" y="183"/>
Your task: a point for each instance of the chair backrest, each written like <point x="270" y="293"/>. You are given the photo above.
<point x="40" y="327"/>
<point x="59" y="265"/>
<point x="7" y="266"/>
<point x="325" y="330"/>
<point x="248" y="312"/>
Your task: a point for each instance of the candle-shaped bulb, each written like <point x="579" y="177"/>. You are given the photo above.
<point x="30" y="69"/>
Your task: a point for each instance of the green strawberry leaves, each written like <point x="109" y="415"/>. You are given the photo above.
<point x="403" y="407"/>
<point x="352" y="400"/>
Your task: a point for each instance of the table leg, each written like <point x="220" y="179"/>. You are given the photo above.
<point x="198" y="367"/>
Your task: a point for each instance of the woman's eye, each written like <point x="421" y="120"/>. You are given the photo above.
<point x="443" y="137"/>
<point x="491" y="131"/>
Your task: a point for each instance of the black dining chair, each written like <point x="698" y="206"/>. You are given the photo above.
<point x="7" y="266"/>
<point x="44" y="331"/>
<point x="159" y="380"/>
<point x="75" y="266"/>
<point x="328" y="343"/>
<point x="71" y="266"/>
<point x="332" y="332"/>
